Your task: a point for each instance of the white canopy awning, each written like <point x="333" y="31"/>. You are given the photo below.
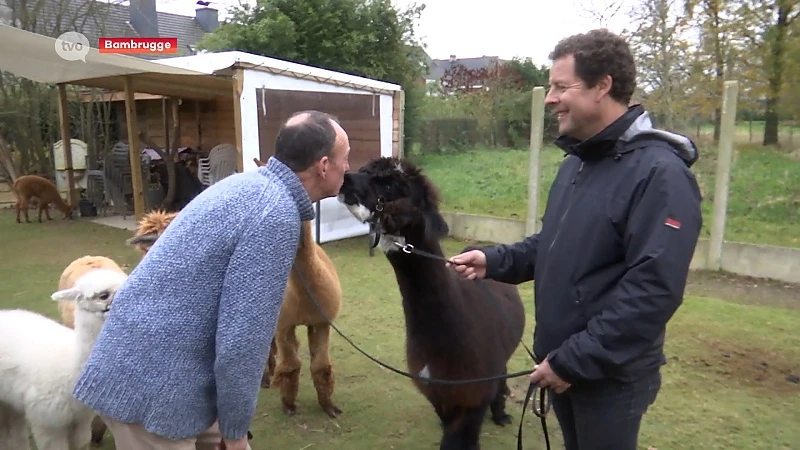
<point x="33" y="56"/>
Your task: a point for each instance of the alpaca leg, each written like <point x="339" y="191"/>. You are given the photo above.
<point x="81" y="436"/>
<point x="98" y="430"/>
<point x="270" y="369"/>
<point x="439" y="411"/>
<point x="273" y="353"/>
<point x="453" y="436"/>
<point x="287" y="372"/>
<point x="22" y="206"/>
<point x="498" y="405"/>
<point x="13" y="429"/>
<point x="51" y="438"/>
<point x="471" y="427"/>
<point x="47" y="211"/>
<point x="42" y="208"/>
<point x="319" y="337"/>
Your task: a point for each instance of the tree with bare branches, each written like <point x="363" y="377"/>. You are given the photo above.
<point x="659" y="39"/>
<point x="29" y="123"/>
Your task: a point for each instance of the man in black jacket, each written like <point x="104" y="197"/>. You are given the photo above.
<point x="611" y="260"/>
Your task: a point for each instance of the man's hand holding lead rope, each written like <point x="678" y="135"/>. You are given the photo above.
<point x="544" y="377"/>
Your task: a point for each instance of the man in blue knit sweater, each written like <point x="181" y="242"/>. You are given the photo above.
<point x="178" y="364"/>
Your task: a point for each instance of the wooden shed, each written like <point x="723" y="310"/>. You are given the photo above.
<point x="230" y="97"/>
<point x="370" y="111"/>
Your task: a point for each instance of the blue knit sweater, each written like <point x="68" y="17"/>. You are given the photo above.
<point x="189" y="333"/>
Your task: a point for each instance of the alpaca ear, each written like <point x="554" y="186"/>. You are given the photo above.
<point x="146" y="239"/>
<point x="437" y="227"/>
<point x="66" y="294"/>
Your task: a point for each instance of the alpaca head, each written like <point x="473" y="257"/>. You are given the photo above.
<point x="93" y="292"/>
<point x="394" y="194"/>
<point x="151" y="226"/>
<point x="67" y="210"/>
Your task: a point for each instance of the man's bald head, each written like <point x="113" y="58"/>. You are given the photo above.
<point x="305" y="138"/>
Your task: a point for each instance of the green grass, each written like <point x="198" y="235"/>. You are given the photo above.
<point x="762" y="202"/>
<point x="717" y="394"/>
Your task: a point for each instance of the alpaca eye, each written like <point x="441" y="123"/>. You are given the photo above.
<point x="103" y="296"/>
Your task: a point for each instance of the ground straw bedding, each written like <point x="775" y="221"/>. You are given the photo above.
<point x="730" y="382"/>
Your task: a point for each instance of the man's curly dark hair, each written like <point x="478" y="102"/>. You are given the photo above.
<point x="599" y="53"/>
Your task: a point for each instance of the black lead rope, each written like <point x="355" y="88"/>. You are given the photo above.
<point x="541" y="413"/>
<point x="544" y="397"/>
<point x="398" y="371"/>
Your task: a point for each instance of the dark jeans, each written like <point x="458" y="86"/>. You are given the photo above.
<point x="605" y="415"/>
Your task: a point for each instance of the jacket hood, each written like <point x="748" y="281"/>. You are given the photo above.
<point x="634" y="125"/>
<point x="642" y="128"/>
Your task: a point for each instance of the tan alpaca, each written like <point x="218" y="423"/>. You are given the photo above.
<point x="73" y="271"/>
<point x="28" y="186"/>
<point x="299" y="309"/>
<point x="151" y="225"/>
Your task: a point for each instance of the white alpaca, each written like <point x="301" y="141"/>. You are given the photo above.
<point x="40" y="360"/>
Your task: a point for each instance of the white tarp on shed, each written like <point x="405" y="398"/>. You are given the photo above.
<point x="214" y="62"/>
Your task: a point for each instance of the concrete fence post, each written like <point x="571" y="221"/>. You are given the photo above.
<point x="537" y="136"/>
<point x="724" y="158"/>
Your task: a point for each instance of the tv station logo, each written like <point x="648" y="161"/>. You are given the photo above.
<point x="137" y="46"/>
<point x="74" y="46"/>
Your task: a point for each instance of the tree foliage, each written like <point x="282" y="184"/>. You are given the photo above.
<point x="657" y="40"/>
<point x="776" y="43"/>
<point x="29" y="120"/>
<point x="496" y="101"/>
<point x="687" y="49"/>
<point x="369" y="38"/>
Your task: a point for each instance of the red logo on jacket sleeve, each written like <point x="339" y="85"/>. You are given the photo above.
<point x="672" y="223"/>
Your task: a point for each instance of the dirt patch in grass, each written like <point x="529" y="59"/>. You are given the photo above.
<point x="732" y="362"/>
<point x="745" y="366"/>
<point x="744" y="290"/>
<point x="736" y="364"/>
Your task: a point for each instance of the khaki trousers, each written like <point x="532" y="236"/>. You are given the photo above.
<point x="132" y="436"/>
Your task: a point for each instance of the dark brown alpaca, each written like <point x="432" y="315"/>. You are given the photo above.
<point x="456" y="329"/>
<point x="28" y="186"/>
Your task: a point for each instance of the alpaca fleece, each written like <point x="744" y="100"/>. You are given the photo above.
<point x="39" y="362"/>
<point x="73" y="272"/>
<point x="187" y="340"/>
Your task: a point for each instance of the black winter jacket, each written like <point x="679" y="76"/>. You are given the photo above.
<point x="611" y="260"/>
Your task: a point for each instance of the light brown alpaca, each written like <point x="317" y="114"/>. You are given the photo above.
<point x="67" y="309"/>
<point x="151" y="225"/>
<point x="73" y="271"/>
<point x="297" y="309"/>
<point x="28" y="186"/>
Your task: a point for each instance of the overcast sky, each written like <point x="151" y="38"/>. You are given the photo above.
<point x="512" y="28"/>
